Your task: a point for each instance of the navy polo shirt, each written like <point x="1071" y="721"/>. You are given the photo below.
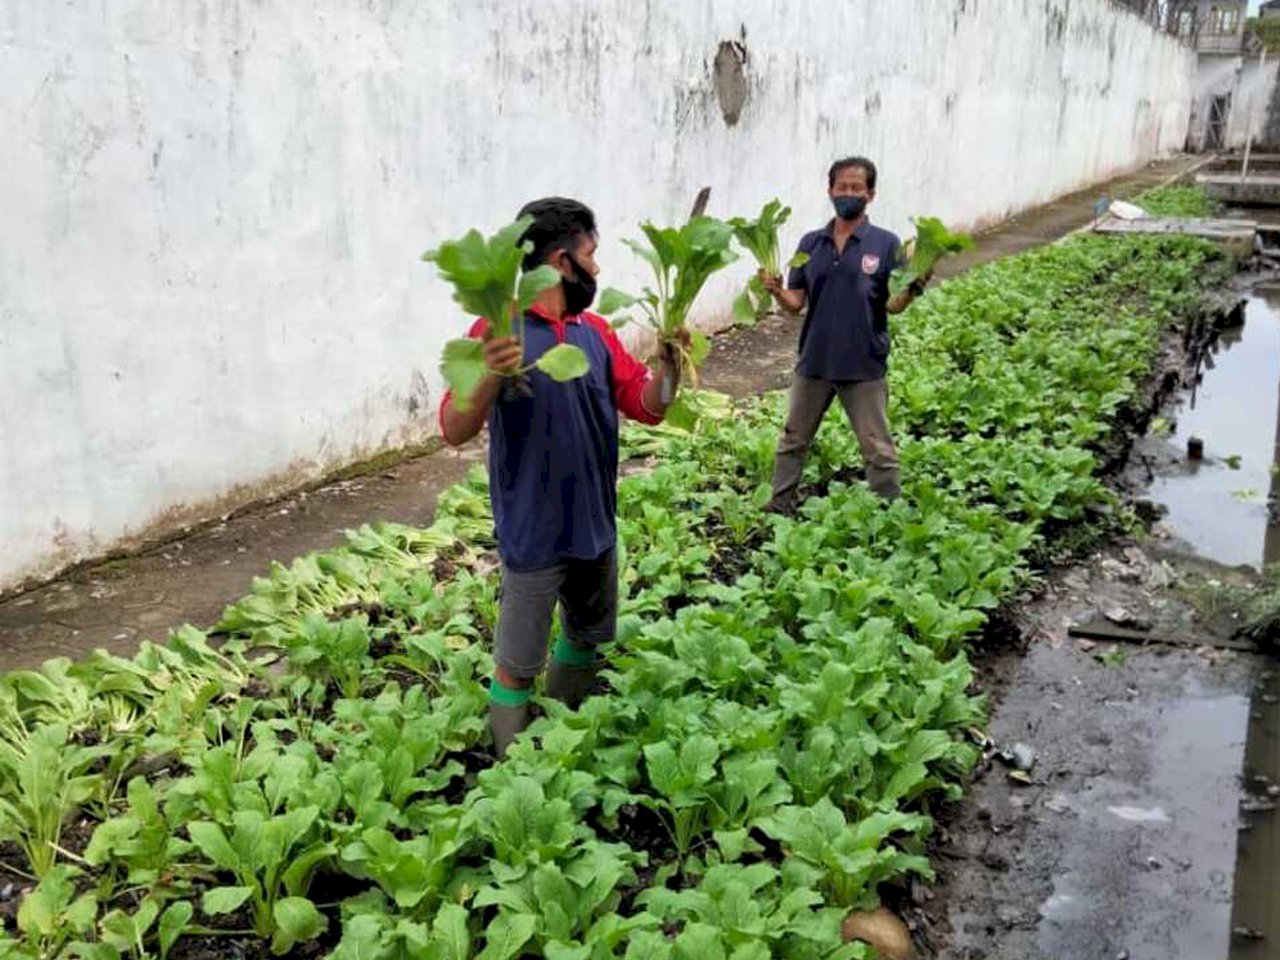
<point x="553" y="456"/>
<point x="846" y="330"/>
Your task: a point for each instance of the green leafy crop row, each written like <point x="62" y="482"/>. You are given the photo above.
<point x="788" y="698"/>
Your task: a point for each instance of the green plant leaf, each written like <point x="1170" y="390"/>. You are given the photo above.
<point x="680" y="414"/>
<point x="219" y="900"/>
<point x="564" y="362"/>
<point x="534" y="282"/>
<point x="173" y="922"/>
<point x="463" y="368"/>
<point x="297" y="920"/>
<point x="932" y="242"/>
<point x="213" y="843"/>
<point x="506" y="935"/>
<point x="612" y="300"/>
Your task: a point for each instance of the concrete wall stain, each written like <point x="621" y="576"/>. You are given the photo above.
<point x="729" y="75"/>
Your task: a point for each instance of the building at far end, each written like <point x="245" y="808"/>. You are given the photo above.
<point x="1234" y="86"/>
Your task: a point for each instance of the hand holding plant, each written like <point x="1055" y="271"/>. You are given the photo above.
<point x="682" y="260"/>
<point x="488" y="283"/>
<point x="760" y="238"/>
<point x="919" y="256"/>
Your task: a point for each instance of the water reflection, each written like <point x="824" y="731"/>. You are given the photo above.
<point x="1220" y="504"/>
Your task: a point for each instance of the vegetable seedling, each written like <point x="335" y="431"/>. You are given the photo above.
<point x="932" y="242"/>
<point x="488" y="283"/>
<point x="682" y="259"/>
<point x="760" y="238"/>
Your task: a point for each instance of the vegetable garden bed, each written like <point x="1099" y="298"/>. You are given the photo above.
<point x="788" y="700"/>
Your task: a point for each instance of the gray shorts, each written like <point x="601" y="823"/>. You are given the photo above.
<point x="587" y="591"/>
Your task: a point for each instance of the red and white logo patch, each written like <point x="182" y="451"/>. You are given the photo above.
<point x="870" y="264"/>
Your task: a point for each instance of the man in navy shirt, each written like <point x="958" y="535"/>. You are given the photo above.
<point x="553" y="467"/>
<point x="844" y="343"/>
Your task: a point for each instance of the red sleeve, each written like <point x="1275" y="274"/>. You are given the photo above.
<point x="630" y="376"/>
<point x="476" y="332"/>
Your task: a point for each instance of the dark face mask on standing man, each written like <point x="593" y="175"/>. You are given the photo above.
<point x="579" y="290"/>
<point x="849" y="208"/>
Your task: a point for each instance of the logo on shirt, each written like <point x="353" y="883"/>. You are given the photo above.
<point x="870" y="264"/>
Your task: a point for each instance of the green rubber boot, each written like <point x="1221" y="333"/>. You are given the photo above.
<point x="572" y="673"/>
<point x="508" y="714"/>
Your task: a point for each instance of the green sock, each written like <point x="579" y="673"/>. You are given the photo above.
<point x="504" y="696"/>
<point x="566" y="653"/>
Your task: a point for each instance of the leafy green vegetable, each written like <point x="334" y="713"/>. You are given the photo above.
<point x="932" y="242"/>
<point x="488" y="283"/>
<point x="682" y="260"/>
<point x="1176" y="200"/>
<point x="760" y="238"/>
<point x="43" y="779"/>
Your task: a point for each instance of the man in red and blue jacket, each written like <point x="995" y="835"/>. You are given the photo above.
<point x="553" y="466"/>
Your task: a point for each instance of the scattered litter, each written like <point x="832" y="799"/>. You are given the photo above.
<point x="978" y="737"/>
<point x="1021" y="777"/>
<point x="1124" y="210"/>
<point x="1195" y="448"/>
<point x="1140" y="814"/>
<point x="1248" y="933"/>
<point x="1254" y="805"/>
<point x="1085" y="645"/>
<point x="1183" y="865"/>
<point x="1122" y="955"/>
<point x="1160" y="576"/>
<point x="1123" y="617"/>
<point x="1024" y="758"/>
<point x="1057" y="803"/>
<point x="1153" y="863"/>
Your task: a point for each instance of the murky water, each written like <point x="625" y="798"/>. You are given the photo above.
<point x="1255" y="919"/>
<point x="1176" y="816"/>
<point x="1219" y="504"/>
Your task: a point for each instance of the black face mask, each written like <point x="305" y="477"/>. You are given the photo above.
<point x="849" y="208"/>
<point x="579" y="290"/>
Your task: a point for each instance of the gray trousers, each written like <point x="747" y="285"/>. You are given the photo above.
<point x="866" y="404"/>
<point x="587" y="592"/>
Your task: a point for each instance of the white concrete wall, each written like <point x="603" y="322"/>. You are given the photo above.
<point x="213" y="209"/>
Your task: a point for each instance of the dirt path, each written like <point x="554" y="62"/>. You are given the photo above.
<point x="115" y="605"/>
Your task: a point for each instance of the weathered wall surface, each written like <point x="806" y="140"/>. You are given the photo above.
<point x="1252" y="88"/>
<point x="213" y="208"/>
